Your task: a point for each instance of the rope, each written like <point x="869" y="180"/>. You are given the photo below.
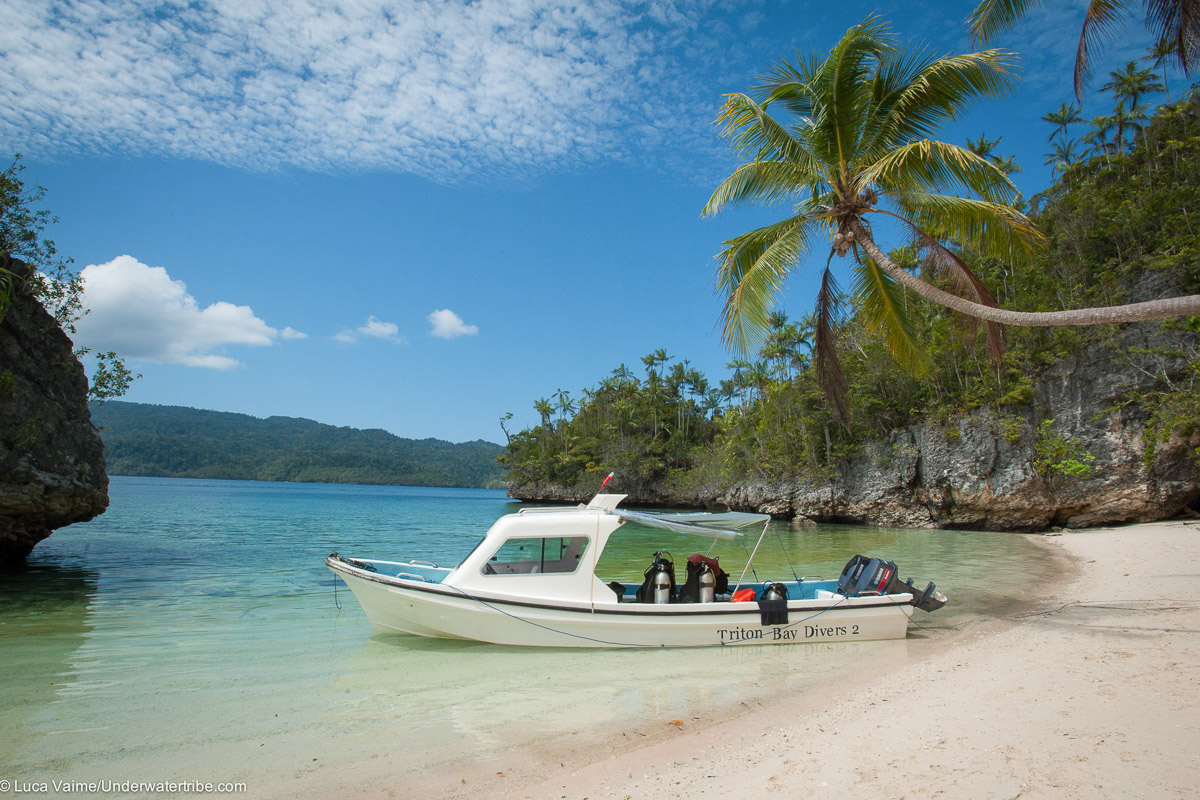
<point x="786" y="555"/>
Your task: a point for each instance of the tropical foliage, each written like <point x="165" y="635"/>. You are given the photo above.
<point x="856" y="142"/>
<point x="1119" y="227"/>
<point x="52" y="280"/>
<point x="22" y="229"/>
<point x="859" y="146"/>
<point x="1175" y="25"/>
<point x="645" y="427"/>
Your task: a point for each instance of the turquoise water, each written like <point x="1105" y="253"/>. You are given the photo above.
<point x="192" y="633"/>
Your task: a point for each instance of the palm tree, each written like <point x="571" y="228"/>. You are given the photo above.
<point x="1124" y="121"/>
<point x="545" y="410"/>
<point x="985" y="147"/>
<point x="1173" y="21"/>
<point x="1067" y="115"/>
<point x="1157" y="55"/>
<point x="565" y="404"/>
<point x="1061" y="157"/>
<point x="861" y="146"/>
<point x="1131" y="83"/>
<point x="1097" y="137"/>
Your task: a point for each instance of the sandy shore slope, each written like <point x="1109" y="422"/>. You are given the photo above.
<point x="1095" y="695"/>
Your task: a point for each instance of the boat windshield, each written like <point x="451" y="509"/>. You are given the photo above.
<point x="554" y="555"/>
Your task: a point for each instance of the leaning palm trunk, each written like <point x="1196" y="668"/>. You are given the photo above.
<point x="1132" y="312"/>
<point x="860" y="143"/>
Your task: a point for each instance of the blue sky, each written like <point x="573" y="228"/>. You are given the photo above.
<point x="418" y="216"/>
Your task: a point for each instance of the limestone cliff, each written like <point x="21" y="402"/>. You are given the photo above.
<point x="51" y="457"/>
<point x="980" y="472"/>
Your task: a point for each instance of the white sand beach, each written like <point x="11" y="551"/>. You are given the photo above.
<point x="1094" y="693"/>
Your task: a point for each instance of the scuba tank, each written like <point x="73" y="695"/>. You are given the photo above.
<point x="708" y="583"/>
<point x="662" y="586"/>
<point x="663" y="581"/>
<point x="774" y="591"/>
<point x="659" y="583"/>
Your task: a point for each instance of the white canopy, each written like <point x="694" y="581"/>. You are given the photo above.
<point x="725" y="524"/>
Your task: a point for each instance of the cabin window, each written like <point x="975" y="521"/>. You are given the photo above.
<point x="544" y="556"/>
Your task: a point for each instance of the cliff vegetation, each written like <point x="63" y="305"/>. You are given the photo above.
<point x="1066" y="425"/>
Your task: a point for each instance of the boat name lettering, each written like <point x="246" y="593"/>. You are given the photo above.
<point x="818" y="632"/>
<point x="740" y="634"/>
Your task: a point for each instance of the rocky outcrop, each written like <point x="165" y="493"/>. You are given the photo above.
<point x="51" y="457"/>
<point x="981" y="472"/>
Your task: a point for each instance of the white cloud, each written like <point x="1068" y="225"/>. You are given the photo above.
<point x="372" y="329"/>
<point x="448" y="325"/>
<point x="376" y="329"/>
<point x="424" y="86"/>
<point x="143" y="314"/>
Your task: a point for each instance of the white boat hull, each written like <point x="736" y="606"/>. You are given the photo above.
<point x="439" y="610"/>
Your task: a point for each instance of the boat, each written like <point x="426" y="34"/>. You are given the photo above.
<point x="532" y="581"/>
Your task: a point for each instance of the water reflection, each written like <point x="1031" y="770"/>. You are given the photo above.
<point x="44" y="620"/>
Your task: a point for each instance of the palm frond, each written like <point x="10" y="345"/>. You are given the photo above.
<point x="829" y="368"/>
<point x="885" y="312"/>
<point x="993" y="17"/>
<point x="932" y="166"/>
<point x="965" y="283"/>
<point x="994" y="229"/>
<point x="840" y="82"/>
<point x="751" y="273"/>
<point x="1178" y="23"/>
<point x="939" y="90"/>
<point x="754" y="133"/>
<point x="1098" y="23"/>
<point x="761" y="181"/>
<point x="790" y="83"/>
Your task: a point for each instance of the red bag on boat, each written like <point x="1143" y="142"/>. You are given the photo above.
<point x="743" y="596"/>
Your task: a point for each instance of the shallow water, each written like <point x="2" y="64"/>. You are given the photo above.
<point x="191" y="633"/>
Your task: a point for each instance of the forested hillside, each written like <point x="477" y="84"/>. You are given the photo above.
<point x="177" y="442"/>
<point x="1120" y="227"/>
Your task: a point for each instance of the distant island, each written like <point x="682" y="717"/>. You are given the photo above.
<point x="179" y="442"/>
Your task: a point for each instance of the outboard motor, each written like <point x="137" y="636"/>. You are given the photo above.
<point x="864" y="575"/>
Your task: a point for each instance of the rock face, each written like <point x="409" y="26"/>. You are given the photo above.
<point x="51" y="457"/>
<point x="980" y="472"/>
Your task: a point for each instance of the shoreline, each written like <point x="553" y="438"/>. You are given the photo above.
<point x="1091" y="690"/>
